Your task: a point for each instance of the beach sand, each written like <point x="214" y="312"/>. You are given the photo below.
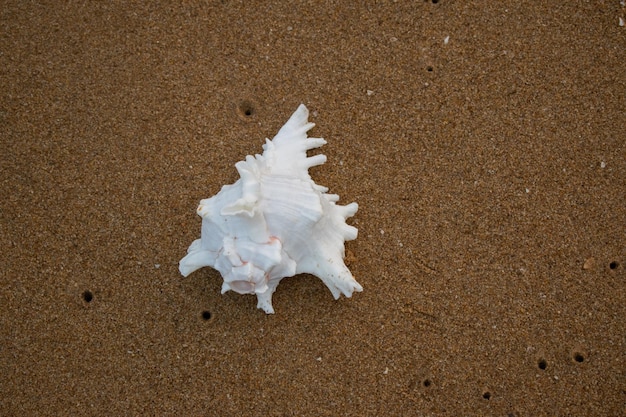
<point x="484" y="142"/>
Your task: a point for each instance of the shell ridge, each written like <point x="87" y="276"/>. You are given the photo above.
<point x="300" y="201"/>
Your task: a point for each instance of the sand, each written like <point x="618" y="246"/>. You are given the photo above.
<point x="490" y="172"/>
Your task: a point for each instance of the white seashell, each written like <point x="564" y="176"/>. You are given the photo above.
<point x="275" y="222"/>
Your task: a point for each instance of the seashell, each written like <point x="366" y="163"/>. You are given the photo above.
<point x="275" y="222"/>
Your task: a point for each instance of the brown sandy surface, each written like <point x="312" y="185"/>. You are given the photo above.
<point x="490" y="173"/>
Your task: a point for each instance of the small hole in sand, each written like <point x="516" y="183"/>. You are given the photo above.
<point x="246" y="109"/>
<point x="427" y="383"/>
<point x="88" y="296"/>
<point x="542" y="364"/>
<point x="614" y="265"/>
<point x="206" y="315"/>
<point x="579" y="357"/>
<point x="429" y="68"/>
<point x="486" y="395"/>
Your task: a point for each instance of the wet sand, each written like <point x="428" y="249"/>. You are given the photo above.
<point x="484" y="144"/>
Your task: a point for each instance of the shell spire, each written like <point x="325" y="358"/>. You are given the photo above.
<point x="275" y="221"/>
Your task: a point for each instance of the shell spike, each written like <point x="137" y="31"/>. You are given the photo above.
<point x="268" y="145"/>
<point x="312" y="143"/>
<point x="296" y="126"/>
<point x="349" y="232"/>
<point x="348" y="210"/>
<point x="303" y="129"/>
<point x="320" y="188"/>
<point x="264" y="300"/>
<point x="333" y="198"/>
<point x="335" y="274"/>
<point x="196" y="259"/>
<point x="314" y="161"/>
<point x="251" y="190"/>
